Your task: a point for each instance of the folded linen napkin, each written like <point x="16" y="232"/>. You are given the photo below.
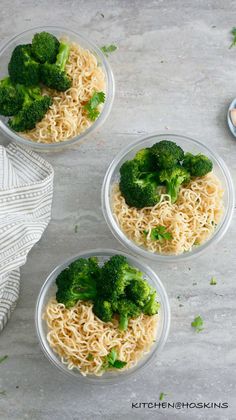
<point x="26" y="188"/>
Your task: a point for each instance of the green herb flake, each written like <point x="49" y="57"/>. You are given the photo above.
<point x="111" y="361"/>
<point x="3" y="358"/>
<point x="197" y="323"/>
<point x="108" y="49"/>
<point x="112" y="357"/>
<point x="3" y="392"/>
<point x="233" y="32"/>
<point x="159" y="233"/>
<point x="76" y="228"/>
<point x="90" y="357"/>
<point x="119" y="364"/>
<point x="162" y="395"/>
<point x="91" y="106"/>
<point x="213" y="281"/>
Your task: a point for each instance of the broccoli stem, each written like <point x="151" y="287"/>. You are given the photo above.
<point x="86" y="295"/>
<point x="30" y="93"/>
<point x="62" y="56"/>
<point x="172" y="190"/>
<point x="123" y="323"/>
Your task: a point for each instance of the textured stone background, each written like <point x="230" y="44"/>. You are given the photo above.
<point x="174" y="72"/>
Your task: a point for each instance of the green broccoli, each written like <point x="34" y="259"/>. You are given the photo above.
<point x="33" y="109"/>
<point x="152" y="306"/>
<point x="78" y="281"/>
<point x="127" y="309"/>
<point x="173" y="178"/>
<point x="138" y="188"/>
<point x="138" y="291"/>
<point x="115" y="289"/>
<point x="167" y="154"/>
<point x="45" y="47"/>
<point x="22" y="67"/>
<point x="197" y="165"/>
<point x="116" y="275"/>
<point x="103" y="309"/>
<point x="145" y="160"/>
<point x="54" y="75"/>
<point x="11" y="98"/>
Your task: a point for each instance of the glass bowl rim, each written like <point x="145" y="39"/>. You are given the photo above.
<point x="161" y="293"/>
<point x="229" y="121"/>
<point x="13" y="136"/>
<point x="128" y="243"/>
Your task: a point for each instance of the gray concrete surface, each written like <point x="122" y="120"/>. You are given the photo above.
<point x="174" y="72"/>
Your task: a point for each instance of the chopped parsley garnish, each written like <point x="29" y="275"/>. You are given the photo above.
<point x="213" y="281"/>
<point x="108" y="49"/>
<point x="91" y="106"/>
<point x="3" y="392"/>
<point x="233" y="32"/>
<point x="76" y="228"/>
<point x="197" y="323"/>
<point x="111" y="361"/>
<point x="3" y="358"/>
<point x="162" y="395"/>
<point x="90" y="357"/>
<point x="159" y="233"/>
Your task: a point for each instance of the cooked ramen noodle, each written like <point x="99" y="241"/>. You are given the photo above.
<point x="191" y="220"/>
<point x="67" y="117"/>
<point x="83" y="341"/>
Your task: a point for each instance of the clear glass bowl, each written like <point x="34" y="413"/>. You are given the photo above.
<point x="189" y="145"/>
<point x="26" y="37"/>
<point x="48" y="290"/>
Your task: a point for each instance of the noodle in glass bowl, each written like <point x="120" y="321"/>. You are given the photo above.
<point x="66" y="116"/>
<point x="203" y="209"/>
<point x="46" y="299"/>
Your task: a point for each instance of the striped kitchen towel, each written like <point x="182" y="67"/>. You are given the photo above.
<point x="26" y="188"/>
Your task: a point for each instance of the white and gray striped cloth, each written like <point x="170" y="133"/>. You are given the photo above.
<point x="26" y="188"/>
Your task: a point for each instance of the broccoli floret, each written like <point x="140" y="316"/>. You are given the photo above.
<point x="127" y="309"/>
<point x="198" y="165"/>
<point x="103" y="310"/>
<point x="45" y="47"/>
<point x="138" y="188"/>
<point x="53" y="75"/>
<point x="152" y="306"/>
<point x="78" y="281"/>
<point x="11" y="98"/>
<point x="22" y="67"/>
<point x="116" y="288"/>
<point x="173" y="178"/>
<point x="33" y="109"/>
<point x="145" y="160"/>
<point x="138" y="291"/>
<point x="116" y="275"/>
<point x="167" y="154"/>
